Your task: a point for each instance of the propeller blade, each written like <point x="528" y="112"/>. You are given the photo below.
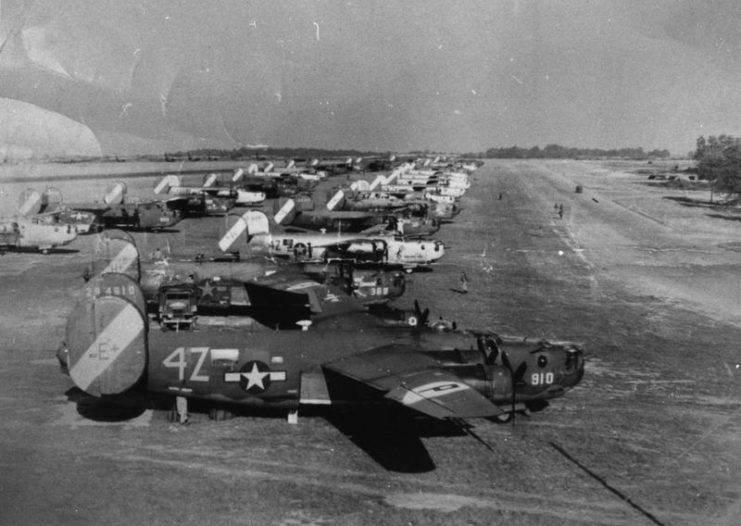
<point x="515" y="376"/>
<point x="505" y="361"/>
<point x="519" y="373"/>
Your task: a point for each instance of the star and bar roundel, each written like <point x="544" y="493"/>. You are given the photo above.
<point x="255" y="377"/>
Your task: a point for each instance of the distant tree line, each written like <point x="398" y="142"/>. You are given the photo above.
<point x="719" y="161"/>
<point x="556" y="151"/>
<point x="270" y="153"/>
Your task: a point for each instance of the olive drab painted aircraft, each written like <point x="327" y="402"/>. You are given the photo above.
<point x="406" y="227"/>
<point x="302" y="213"/>
<point x="220" y="285"/>
<point x="370" y="286"/>
<point x="281" y="184"/>
<point x="371" y="201"/>
<point x="411" y="203"/>
<point x="111" y="351"/>
<point x="309" y="172"/>
<point x="227" y="195"/>
<point x="377" y="249"/>
<point x="115" y="212"/>
<point x="203" y="200"/>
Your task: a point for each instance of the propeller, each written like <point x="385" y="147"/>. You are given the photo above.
<point x="515" y="376"/>
<point x="421" y="315"/>
<point x="347" y="274"/>
<point x="488" y="348"/>
<point x="421" y="321"/>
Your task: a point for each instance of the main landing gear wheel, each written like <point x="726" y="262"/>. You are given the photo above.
<point x="503" y="418"/>
<point x="218" y="414"/>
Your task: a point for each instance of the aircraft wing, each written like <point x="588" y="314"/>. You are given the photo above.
<point x="415" y="380"/>
<point x="95" y="208"/>
<point x="377" y="230"/>
<point x="351" y="214"/>
<point x="288" y="297"/>
<point x="177" y="203"/>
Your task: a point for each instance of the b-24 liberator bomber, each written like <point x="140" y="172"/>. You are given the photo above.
<point x="111" y="352"/>
<point x="304" y="214"/>
<point x="116" y="212"/>
<point x="252" y="231"/>
<point x="18" y="233"/>
<point x="226" y="195"/>
<point x="254" y="287"/>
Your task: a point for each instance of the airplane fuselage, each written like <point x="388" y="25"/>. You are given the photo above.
<point x="339" y="221"/>
<point x="258" y="368"/>
<point x="31" y="233"/>
<point x="389" y="250"/>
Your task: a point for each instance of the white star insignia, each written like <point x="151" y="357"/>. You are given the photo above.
<point x="255" y="377"/>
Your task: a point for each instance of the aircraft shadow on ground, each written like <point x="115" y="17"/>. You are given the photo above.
<point x="695" y="203"/>
<point x="392" y="438"/>
<point x="726" y="217"/>
<point x="57" y="250"/>
<point x="158" y="231"/>
<point x="98" y="410"/>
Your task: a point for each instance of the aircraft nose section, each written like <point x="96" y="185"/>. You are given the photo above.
<point x="574" y="364"/>
<point x="401" y="284"/>
<point x="70" y="235"/>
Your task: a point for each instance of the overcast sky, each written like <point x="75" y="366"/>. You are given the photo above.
<point x="161" y="75"/>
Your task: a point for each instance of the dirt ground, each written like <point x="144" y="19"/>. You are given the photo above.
<point x="651" y="435"/>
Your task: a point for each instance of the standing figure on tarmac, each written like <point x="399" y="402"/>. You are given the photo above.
<point x="464" y="283"/>
<point x="560" y="211"/>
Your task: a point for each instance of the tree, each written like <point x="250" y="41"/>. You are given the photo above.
<point x="719" y="161"/>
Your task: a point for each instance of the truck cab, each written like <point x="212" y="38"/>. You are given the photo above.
<point x="177" y="306"/>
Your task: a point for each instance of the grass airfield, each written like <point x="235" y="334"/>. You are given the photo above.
<point x="651" y="435"/>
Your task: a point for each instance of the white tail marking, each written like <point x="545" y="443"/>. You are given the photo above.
<point x="286" y="209"/>
<point x="332" y="203"/>
<point x="111" y="342"/>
